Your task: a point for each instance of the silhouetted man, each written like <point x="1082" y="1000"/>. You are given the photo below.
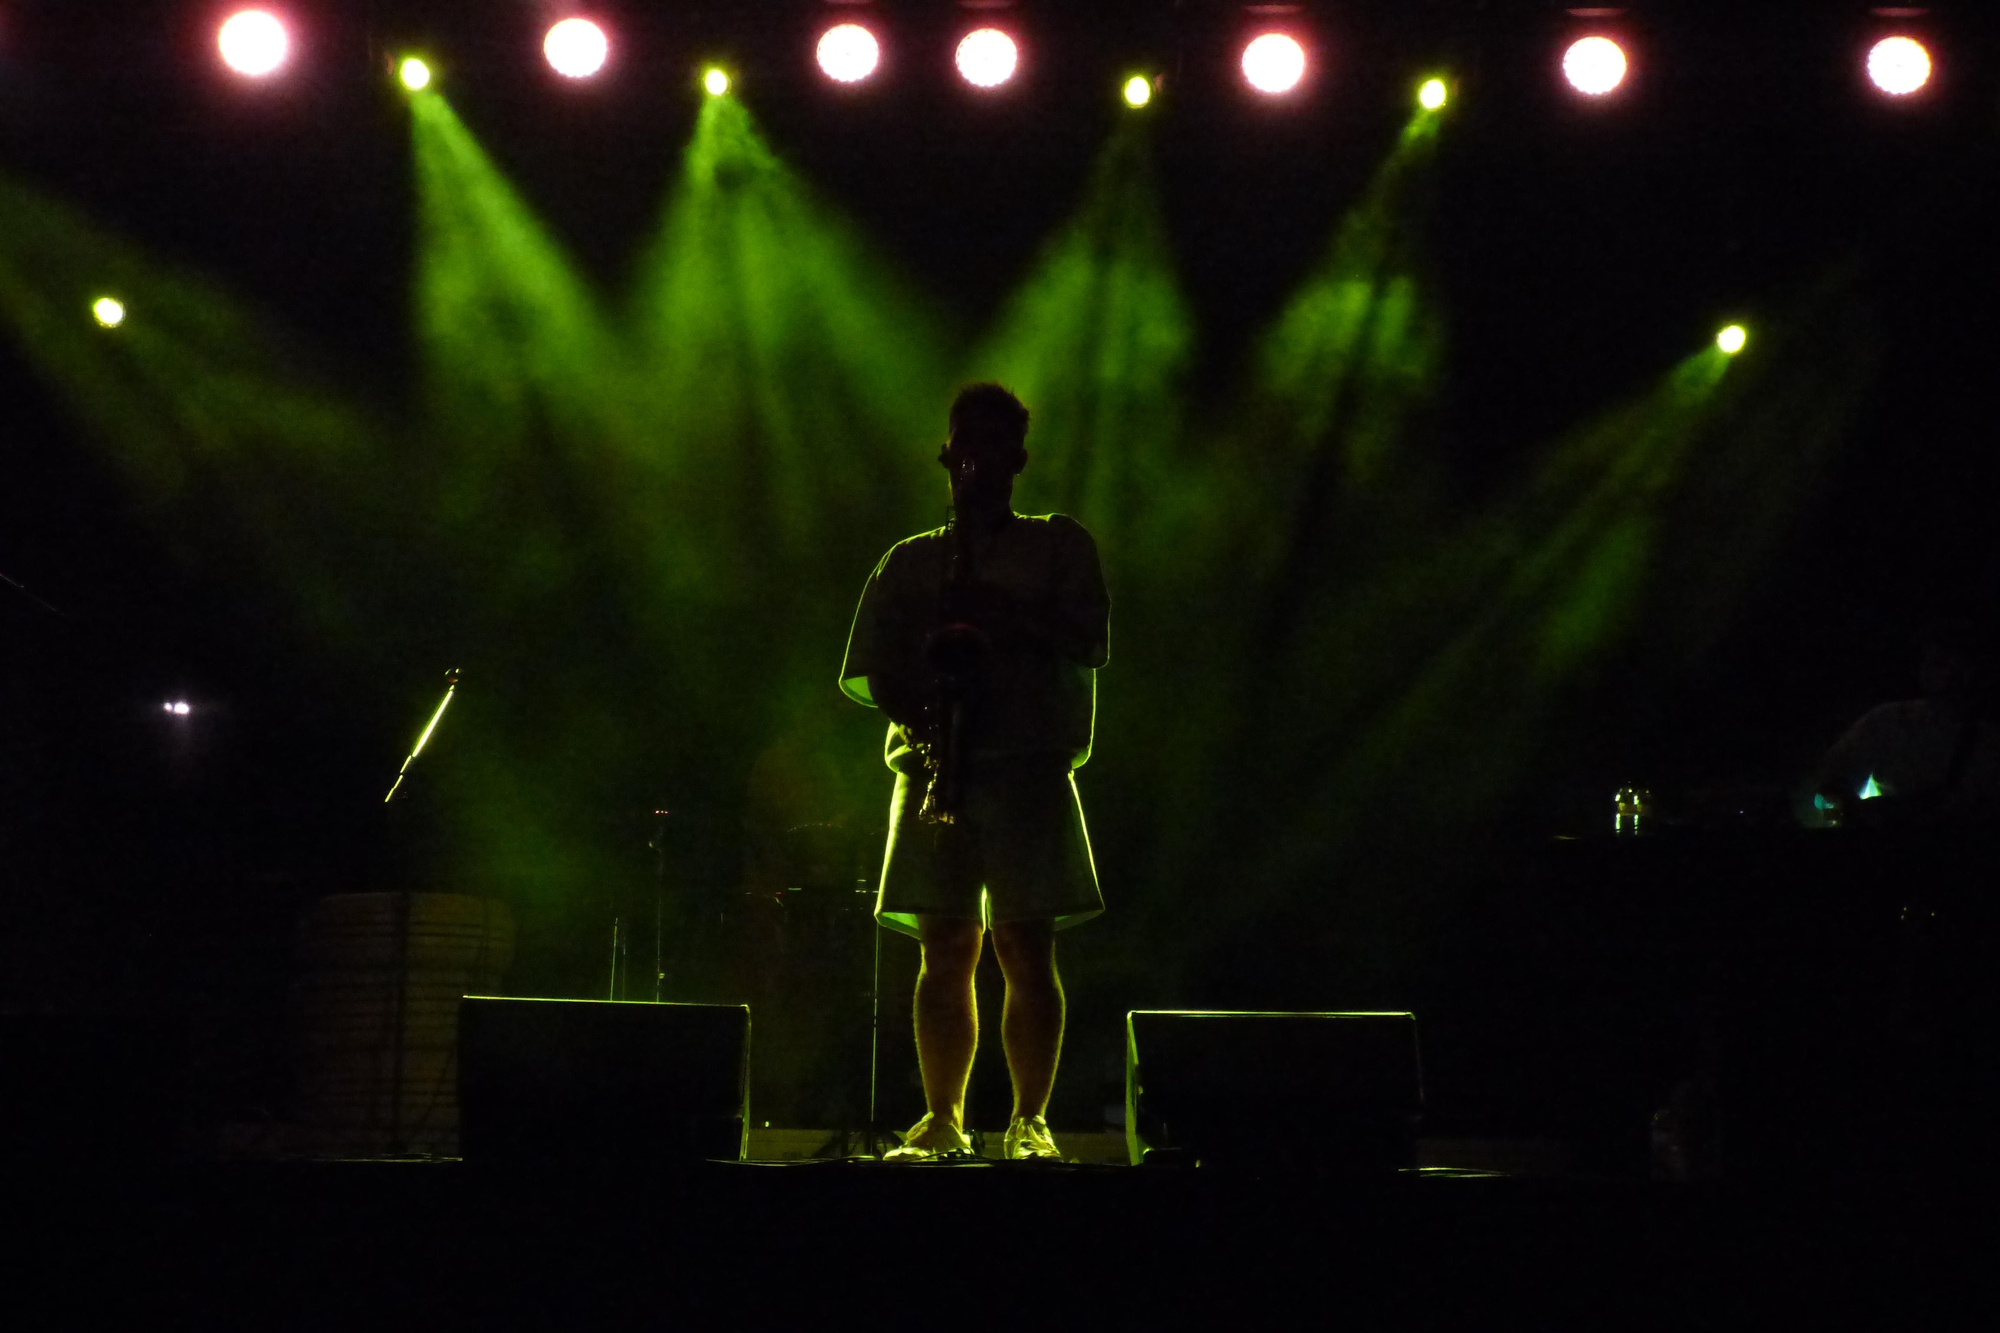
<point x="1029" y="613"/>
<point x="1933" y="759"/>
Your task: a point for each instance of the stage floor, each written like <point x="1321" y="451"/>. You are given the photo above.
<point x="754" y="1245"/>
<point x="1513" y="1157"/>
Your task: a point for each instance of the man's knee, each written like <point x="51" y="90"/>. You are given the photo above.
<point x="1025" y="947"/>
<point x="951" y="944"/>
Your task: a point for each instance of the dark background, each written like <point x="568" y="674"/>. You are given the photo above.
<point x="1578" y="251"/>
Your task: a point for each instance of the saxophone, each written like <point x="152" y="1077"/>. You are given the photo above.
<point x="955" y="652"/>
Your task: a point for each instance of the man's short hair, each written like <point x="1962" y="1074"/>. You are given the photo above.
<point x="994" y="405"/>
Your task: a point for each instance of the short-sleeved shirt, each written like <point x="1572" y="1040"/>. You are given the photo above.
<point x="1032" y="699"/>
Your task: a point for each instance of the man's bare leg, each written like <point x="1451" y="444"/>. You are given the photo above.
<point x="1031" y="1026"/>
<point x="947" y="1016"/>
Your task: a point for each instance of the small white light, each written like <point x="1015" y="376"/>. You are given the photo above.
<point x="253" y="43"/>
<point x="178" y="708"/>
<point x="1274" y="63"/>
<point x="576" y="48"/>
<point x="1594" y="66"/>
<point x="848" y="53"/>
<point x="109" y="311"/>
<point x="716" y="82"/>
<point x="987" y="57"/>
<point x="1899" y="66"/>
<point x="414" y="73"/>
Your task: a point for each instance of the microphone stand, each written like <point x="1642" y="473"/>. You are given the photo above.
<point x="874" y="1038"/>
<point x="450" y="689"/>
<point x="404" y="901"/>
<point x="659" y="846"/>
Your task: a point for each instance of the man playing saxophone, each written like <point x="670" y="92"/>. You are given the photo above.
<point x="981" y="641"/>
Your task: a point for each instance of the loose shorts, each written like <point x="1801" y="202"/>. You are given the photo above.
<point x="1018" y="852"/>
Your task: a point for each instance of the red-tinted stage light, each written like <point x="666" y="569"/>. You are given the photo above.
<point x="576" y="48"/>
<point x="987" y="57"/>
<point x="1595" y="66"/>
<point x="1899" y="66"/>
<point x="848" y="53"/>
<point x="1274" y="63"/>
<point x="253" y="42"/>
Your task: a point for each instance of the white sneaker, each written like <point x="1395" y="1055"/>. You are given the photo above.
<point x="1028" y="1140"/>
<point x="929" y="1139"/>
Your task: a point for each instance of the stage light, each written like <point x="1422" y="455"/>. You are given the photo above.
<point x="848" y="53"/>
<point x="1899" y="66"/>
<point x="1432" y="95"/>
<point x="716" y="82"/>
<point x="576" y="48"/>
<point x="253" y="42"/>
<point x="1594" y="66"/>
<point x="109" y="311"/>
<point x="987" y="57"/>
<point x="1274" y="63"/>
<point x="1138" y="91"/>
<point x="177" y="708"/>
<point x="414" y="73"/>
<point x="1732" y="338"/>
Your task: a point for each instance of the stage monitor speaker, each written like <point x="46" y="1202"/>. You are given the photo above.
<point x="593" y="1078"/>
<point x="1328" y="1093"/>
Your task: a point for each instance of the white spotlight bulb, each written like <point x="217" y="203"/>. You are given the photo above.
<point x="253" y="42"/>
<point x="1594" y="65"/>
<point x="576" y="48"/>
<point x="1899" y="66"/>
<point x="1274" y="63"/>
<point x="987" y="57"/>
<point x="848" y="53"/>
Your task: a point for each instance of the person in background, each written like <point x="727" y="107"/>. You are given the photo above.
<point x="1929" y="760"/>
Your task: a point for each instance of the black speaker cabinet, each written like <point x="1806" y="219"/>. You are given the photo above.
<point x="1328" y="1093"/>
<point x="592" y="1078"/>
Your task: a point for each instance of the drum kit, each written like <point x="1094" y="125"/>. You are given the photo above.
<point x="782" y="920"/>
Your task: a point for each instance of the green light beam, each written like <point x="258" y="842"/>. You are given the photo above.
<point x="530" y="428"/>
<point x="222" y="424"/>
<point x="1321" y="498"/>
<point x="796" y="388"/>
<point x="513" y="340"/>
<point x="1330" y="476"/>
<point x="695" y="491"/>
<point x="1357" y="350"/>
<point x="1634" y="542"/>
<point x="1097" y="340"/>
<point x="799" y="374"/>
